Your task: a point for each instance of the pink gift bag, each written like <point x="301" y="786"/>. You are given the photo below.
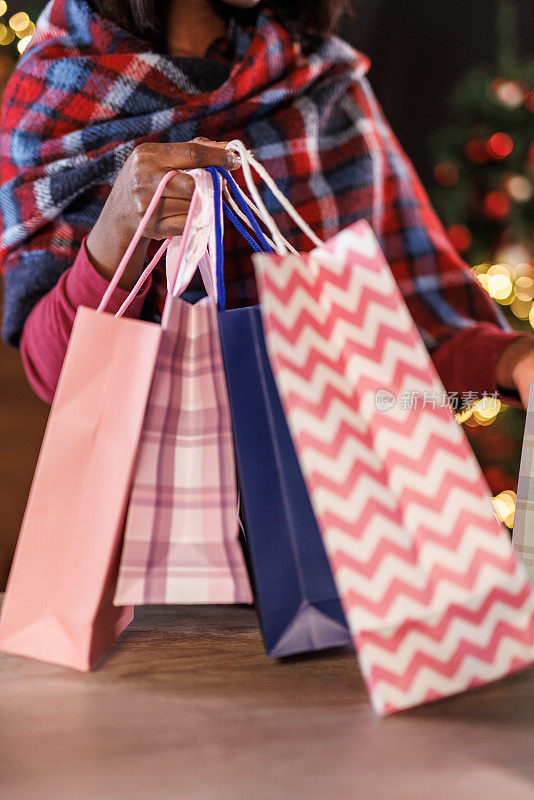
<point x="58" y="605"/>
<point x="181" y="540"/>
<point x="433" y="593"/>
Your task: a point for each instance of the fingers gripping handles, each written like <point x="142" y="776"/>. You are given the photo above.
<point x="119" y="272"/>
<point x="238" y="207"/>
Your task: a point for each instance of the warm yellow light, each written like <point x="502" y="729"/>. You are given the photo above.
<point x="524" y="288"/>
<point x="3" y="7"/>
<point x="521" y="308"/>
<point x="481" y="268"/>
<point x="519" y="188"/>
<point x="486" y="409"/>
<point x="482" y="278"/>
<point x="480" y="419"/>
<point x="19" y="21"/>
<point x="6" y="35"/>
<point x="523" y="269"/>
<point x="23" y="43"/>
<point x="504" y="505"/>
<point x="531" y="316"/>
<point x="500" y="269"/>
<point x="464" y="414"/>
<point x="507" y="301"/>
<point x="499" y="286"/>
<point x="471" y="422"/>
<point x="27" y="31"/>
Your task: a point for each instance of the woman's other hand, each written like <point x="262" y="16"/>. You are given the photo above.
<point x="132" y="192"/>
<point x="515" y="367"/>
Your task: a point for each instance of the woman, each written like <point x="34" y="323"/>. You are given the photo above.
<point x="108" y="97"/>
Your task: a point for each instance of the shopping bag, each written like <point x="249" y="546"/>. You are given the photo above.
<point x="58" y="604"/>
<point x="523" y="532"/>
<point x="181" y="542"/>
<point x="297" y="600"/>
<point x="433" y="593"/>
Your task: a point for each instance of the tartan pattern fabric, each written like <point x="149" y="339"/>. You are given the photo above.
<point x="181" y="539"/>
<point x="523" y="533"/>
<point x="85" y="93"/>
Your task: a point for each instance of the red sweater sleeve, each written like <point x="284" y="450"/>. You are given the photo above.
<point x="468" y="358"/>
<point x="47" y="329"/>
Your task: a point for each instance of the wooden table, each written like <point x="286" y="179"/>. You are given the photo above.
<point x="187" y="706"/>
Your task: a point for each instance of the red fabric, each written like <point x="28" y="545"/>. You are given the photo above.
<point x="466" y="362"/>
<point x="51" y="321"/>
<point x="85" y="93"/>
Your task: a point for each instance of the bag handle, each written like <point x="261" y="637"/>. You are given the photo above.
<point x="248" y="162"/>
<point x="245" y="209"/>
<point x="208" y="238"/>
<point x="236" y="206"/>
<point x="264" y="245"/>
<point x="130" y="249"/>
<point x="180" y="278"/>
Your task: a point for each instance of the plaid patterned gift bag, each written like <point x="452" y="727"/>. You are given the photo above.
<point x="523" y="533"/>
<point x="181" y="540"/>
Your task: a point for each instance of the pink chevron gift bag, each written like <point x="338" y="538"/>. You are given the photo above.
<point x="432" y="590"/>
<point x="181" y="538"/>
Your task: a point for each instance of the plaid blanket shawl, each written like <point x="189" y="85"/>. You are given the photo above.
<point x="85" y="93"/>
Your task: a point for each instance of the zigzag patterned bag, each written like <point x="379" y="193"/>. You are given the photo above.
<point x="434" y="595"/>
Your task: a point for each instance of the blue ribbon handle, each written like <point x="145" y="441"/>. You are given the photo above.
<point x="262" y="247"/>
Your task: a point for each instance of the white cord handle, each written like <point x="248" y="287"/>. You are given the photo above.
<point x="278" y="240"/>
<point x="255" y="210"/>
<point x="248" y="161"/>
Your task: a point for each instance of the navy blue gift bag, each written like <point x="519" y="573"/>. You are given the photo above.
<point x="297" y="600"/>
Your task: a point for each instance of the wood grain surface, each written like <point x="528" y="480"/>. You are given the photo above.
<point x="186" y="705"/>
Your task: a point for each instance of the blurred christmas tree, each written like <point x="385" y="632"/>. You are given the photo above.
<point x="484" y="195"/>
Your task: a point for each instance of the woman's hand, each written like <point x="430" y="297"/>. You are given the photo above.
<point x="132" y="192"/>
<point x="515" y="367"/>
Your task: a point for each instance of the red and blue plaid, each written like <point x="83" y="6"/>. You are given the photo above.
<point x="85" y="93"/>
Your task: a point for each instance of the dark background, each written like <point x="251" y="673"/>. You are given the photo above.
<point x="418" y="49"/>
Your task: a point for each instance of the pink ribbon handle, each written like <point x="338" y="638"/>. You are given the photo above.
<point x="130" y="249"/>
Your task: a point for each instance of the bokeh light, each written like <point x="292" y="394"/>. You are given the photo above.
<point x="497" y="204"/>
<point x="486" y="409"/>
<point x="6" y="35"/>
<point x="524" y="288"/>
<point x="463" y="415"/>
<point x="504" y="505"/>
<point x="519" y="188"/>
<point x="19" y="21"/>
<point x="445" y="173"/>
<point x="476" y="150"/>
<point x="499" y="284"/>
<point x="460" y="237"/>
<point x="500" y="145"/>
<point x="23" y="43"/>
